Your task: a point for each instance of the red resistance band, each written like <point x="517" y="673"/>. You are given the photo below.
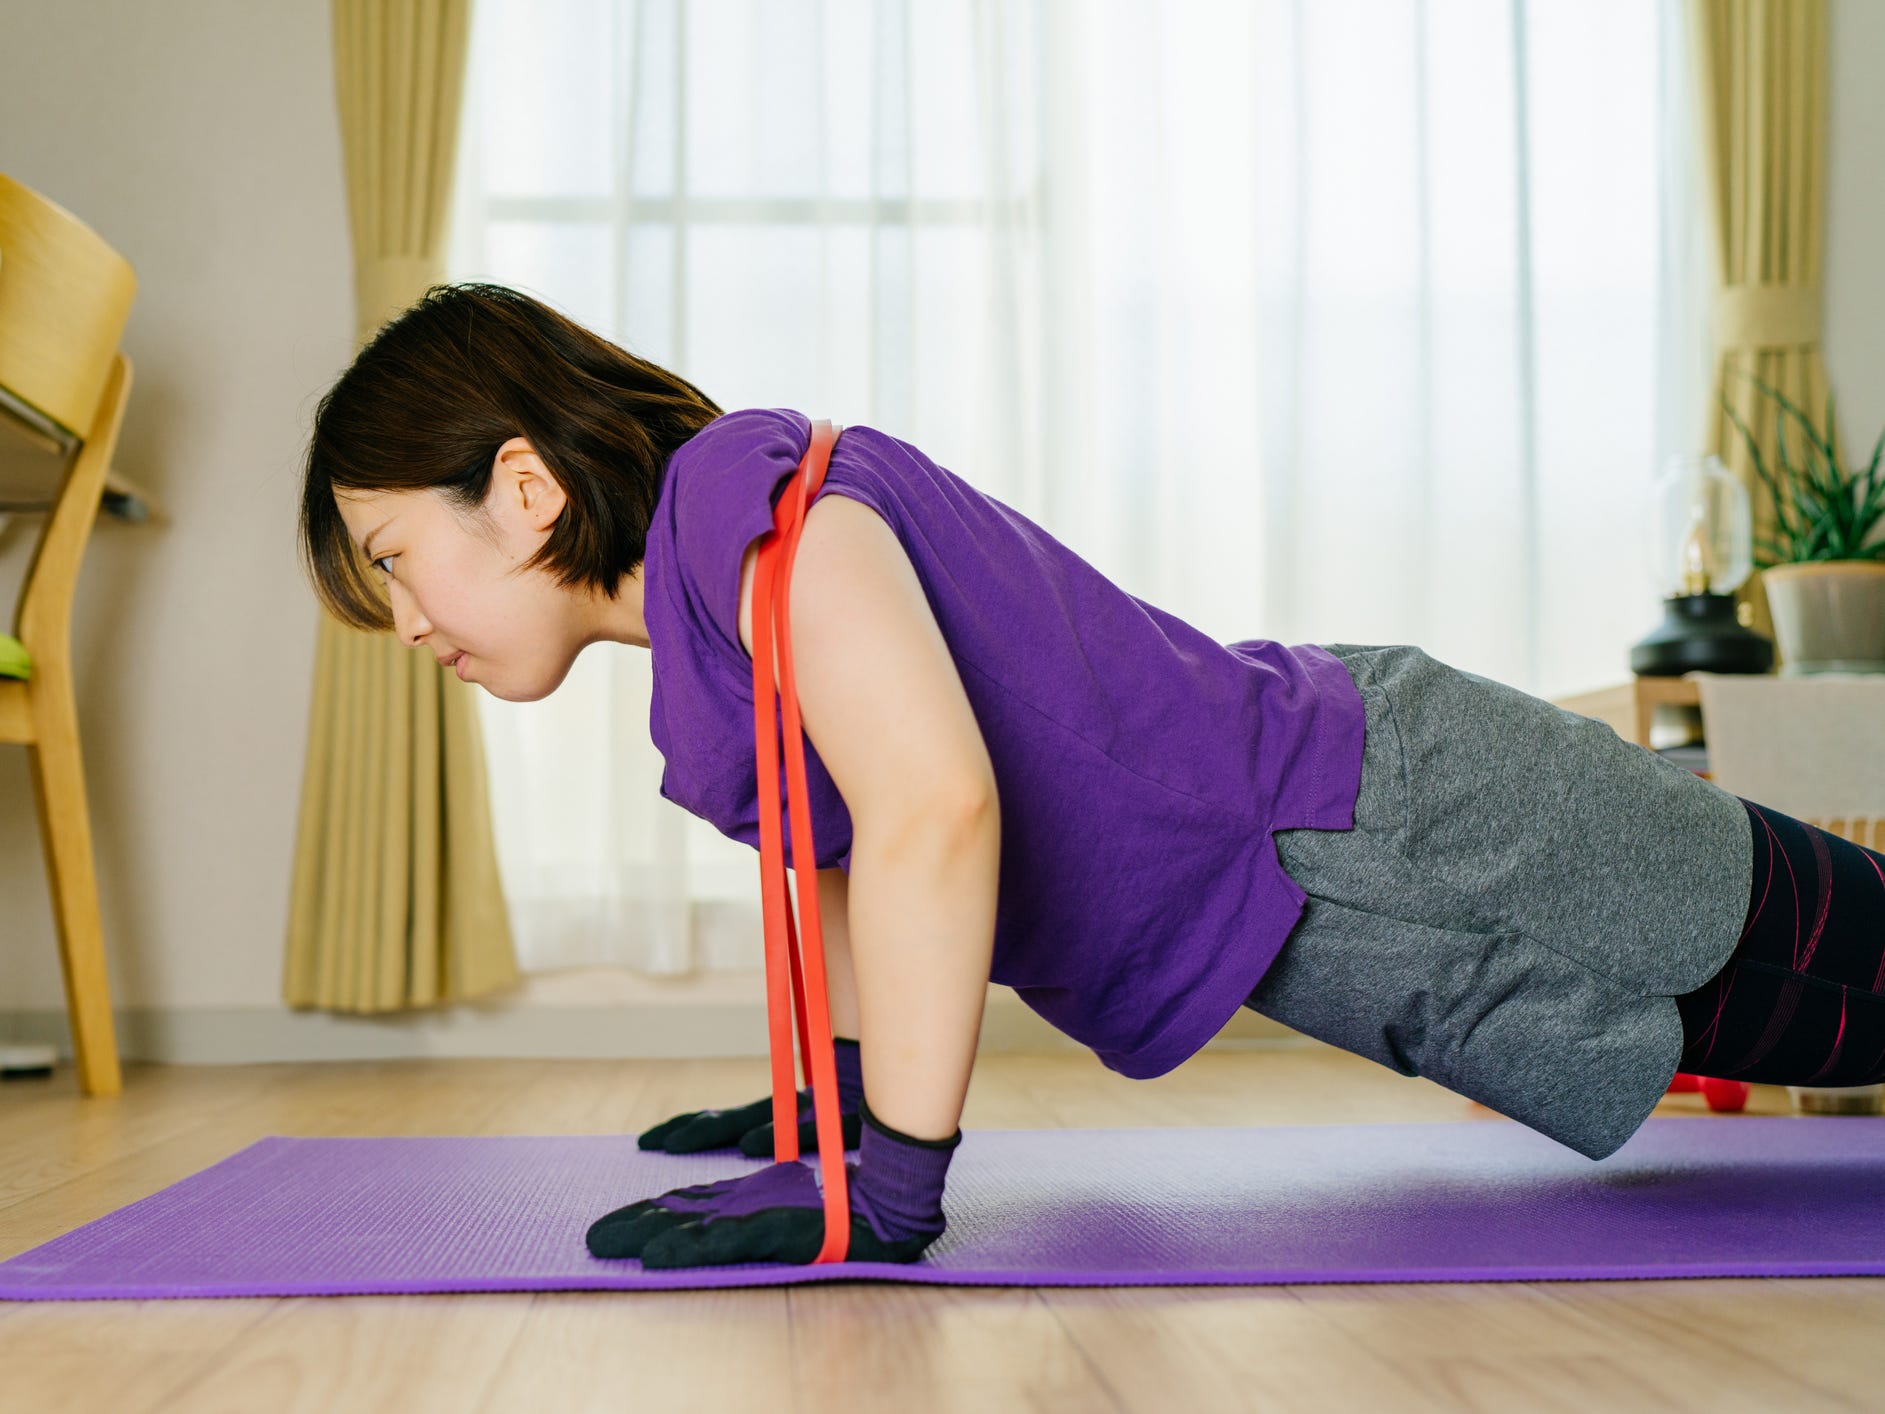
<point x="771" y="578"/>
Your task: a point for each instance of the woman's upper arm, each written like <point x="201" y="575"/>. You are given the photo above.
<point x="879" y="694"/>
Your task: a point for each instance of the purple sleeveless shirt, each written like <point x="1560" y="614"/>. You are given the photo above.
<point x="1140" y="765"/>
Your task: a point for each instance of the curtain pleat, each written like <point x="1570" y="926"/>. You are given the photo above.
<point x="396" y="900"/>
<point x="1761" y="90"/>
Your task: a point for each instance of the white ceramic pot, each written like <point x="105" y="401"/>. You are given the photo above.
<point x="1829" y="616"/>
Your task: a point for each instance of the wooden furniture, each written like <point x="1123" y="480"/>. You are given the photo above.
<point x="1811" y="746"/>
<point x="65" y="295"/>
<point x="1651" y="693"/>
<point x="1614" y="705"/>
<point x="33" y="460"/>
<point x="1630" y="708"/>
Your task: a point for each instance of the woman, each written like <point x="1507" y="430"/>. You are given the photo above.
<point x="1020" y="773"/>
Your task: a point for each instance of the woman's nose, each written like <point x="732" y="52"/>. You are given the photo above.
<point x="408" y="623"/>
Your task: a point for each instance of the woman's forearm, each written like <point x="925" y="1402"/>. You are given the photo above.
<point x="922" y="932"/>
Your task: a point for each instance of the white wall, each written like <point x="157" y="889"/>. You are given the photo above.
<point x="199" y="137"/>
<point x="1855" y="218"/>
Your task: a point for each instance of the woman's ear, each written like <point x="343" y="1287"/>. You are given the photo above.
<point x="527" y="492"/>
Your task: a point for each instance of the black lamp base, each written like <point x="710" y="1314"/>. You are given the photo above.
<point x="1700" y="632"/>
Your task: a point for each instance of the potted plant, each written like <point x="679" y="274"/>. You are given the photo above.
<point x="1825" y="584"/>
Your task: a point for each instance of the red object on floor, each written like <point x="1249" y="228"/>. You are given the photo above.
<point x="1684" y="1084"/>
<point x="1724" y="1094"/>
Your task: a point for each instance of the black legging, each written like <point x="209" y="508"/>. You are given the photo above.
<point x="1801" y="1000"/>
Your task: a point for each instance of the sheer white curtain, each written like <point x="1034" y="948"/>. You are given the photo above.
<point x="1314" y="320"/>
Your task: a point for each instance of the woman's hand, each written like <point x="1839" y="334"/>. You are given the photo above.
<point x="778" y="1213"/>
<point x="750" y="1126"/>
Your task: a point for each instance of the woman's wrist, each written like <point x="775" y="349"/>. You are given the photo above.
<point x="902" y="1178"/>
<point x="871" y="1121"/>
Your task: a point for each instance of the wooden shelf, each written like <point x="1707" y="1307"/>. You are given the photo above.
<point x="1653" y="692"/>
<point x="1630" y="707"/>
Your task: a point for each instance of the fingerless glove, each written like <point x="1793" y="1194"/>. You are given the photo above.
<point x="750" y="1126"/>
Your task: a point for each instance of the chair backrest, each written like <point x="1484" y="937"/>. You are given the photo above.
<point x="65" y="295"/>
<point x="1812" y="746"/>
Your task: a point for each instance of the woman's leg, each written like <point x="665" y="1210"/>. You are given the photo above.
<point x="1801" y="1000"/>
<point x="834" y="923"/>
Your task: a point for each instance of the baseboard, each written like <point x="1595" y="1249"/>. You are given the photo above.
<point x="255" y="1035"/>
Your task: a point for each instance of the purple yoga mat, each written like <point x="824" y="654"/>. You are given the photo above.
<point x="1475" y="1201"/>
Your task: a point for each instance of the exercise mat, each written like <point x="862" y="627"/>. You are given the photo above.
<point x="1467" y="1201"/>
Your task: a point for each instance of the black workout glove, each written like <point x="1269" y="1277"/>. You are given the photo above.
<point x="750" y="1126"/>
<point x="777" y="1214"/>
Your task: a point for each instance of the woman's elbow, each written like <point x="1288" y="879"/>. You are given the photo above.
<point x="933" y="820"/>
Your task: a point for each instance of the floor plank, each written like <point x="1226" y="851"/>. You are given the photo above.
<point x="1718" y="1345"/>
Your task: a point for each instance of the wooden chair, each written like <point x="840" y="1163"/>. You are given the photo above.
<point x="64" y="298"/>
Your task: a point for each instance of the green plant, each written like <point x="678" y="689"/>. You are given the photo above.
<point x="1826" y="513"/>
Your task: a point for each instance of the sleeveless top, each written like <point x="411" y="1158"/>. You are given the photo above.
<point x="1140" y="766"/>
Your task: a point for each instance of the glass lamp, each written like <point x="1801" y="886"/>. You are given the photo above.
<point x="1700" y="539"/>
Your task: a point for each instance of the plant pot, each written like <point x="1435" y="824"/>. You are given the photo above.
<point x="1829" y="616"/>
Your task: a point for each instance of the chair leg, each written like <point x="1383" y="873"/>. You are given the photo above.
<point x="65" y="830"/>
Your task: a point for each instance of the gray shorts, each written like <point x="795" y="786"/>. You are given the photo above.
<point x="1521" y="896"/>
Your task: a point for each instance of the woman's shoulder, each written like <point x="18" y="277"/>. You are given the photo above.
<point x="742" y="428"/>
<point x="777" y="428"/>
<point x="745" y="453"/>
<point x="732" y="460"/>
<point x="736" y="465"/>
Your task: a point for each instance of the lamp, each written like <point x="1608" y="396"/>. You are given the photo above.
<point x="1700" y="541"/>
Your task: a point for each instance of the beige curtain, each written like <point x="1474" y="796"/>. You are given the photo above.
<point x="1761" y="85"/>
<point x="396" y="900"/>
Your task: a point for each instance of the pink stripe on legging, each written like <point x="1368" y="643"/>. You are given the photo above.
<point x="1776" y="1025"/>
<point x="1823" y="863"/>
<point x="1779" y="991"/>
<point x="1838" y="1037"/>
<point x="1878" y="982"/>
<point x="1713" y="1030"/>
<point x="1776" y="851"/>
<point x="1773" y="848"/>
<point x="1877" y="1061"/>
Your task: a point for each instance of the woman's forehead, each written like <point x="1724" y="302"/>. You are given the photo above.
<point x="366" y="511"/>
<point x="374" y="506"/>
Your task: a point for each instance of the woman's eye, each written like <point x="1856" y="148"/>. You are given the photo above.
<point x="381" y="562"/>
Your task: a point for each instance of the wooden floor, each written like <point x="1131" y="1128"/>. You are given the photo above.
<point x="1705" y="1345"/>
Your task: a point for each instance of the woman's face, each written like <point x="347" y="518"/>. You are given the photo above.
<point x="456" y="585"/>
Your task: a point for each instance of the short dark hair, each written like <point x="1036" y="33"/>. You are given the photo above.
<point x="441" y="386"/>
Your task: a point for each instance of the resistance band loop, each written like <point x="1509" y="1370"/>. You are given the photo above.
<point x="777" y="550"/>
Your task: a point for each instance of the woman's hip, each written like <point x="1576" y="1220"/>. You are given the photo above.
<point x="1521" y="897"/>
<point x="1485" y="809"/>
